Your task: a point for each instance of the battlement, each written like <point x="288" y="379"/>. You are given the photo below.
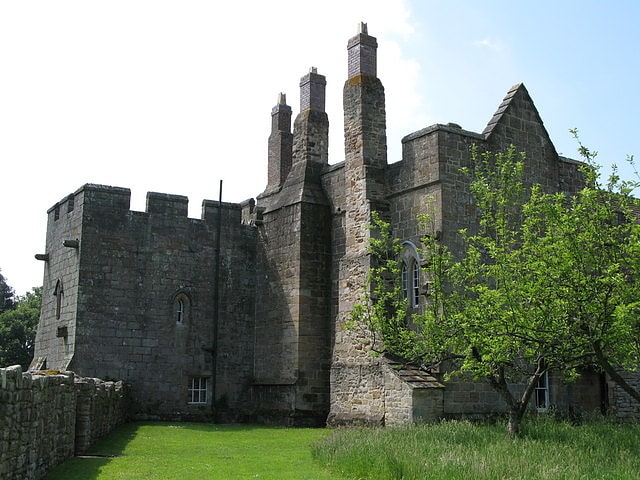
<point x="231" y="212"/>
<point x="114" y="198"/>
<point x="167" y="204"/>
<point x="117" y="201"/>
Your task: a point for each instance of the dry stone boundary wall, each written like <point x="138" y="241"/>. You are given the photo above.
<point x="45" y="419"/>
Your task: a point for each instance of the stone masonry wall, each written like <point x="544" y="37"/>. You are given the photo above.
<point x="45" y="419"/>
<point x="127" y="271"/>
<point x="622" y="406"/>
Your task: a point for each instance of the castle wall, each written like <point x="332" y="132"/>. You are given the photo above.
<point x="55" y="338"/>
<point x="49" y="418"/>
<point x="132" y="269"/>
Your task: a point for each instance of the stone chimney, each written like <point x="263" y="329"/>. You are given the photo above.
<point x="311" y="126"/>
<point x="365" y="147"/>
<point x="280" y="144"/>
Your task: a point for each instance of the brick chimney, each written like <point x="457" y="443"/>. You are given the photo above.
<point x="312" y="91"/>
<point x="362" y="53"/>
<point x="280" y="144"/>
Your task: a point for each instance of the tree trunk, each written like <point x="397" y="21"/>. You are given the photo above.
<point x="515" y="420"/>
<point x="517" y="408"/>
<point x="615" y="376"/>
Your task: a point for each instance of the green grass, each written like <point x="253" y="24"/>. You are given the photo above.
<point x="184" y="451"/>
<point x="448" y="450"/>
<point x="463" y="450"/>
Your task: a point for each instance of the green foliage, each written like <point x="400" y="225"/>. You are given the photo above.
<point x="384" y="310"/>
<point x="6" y="295"/>
<point x="18" y="330"/>
<point x="465" y="450"/>
<point x="546" y="281"/>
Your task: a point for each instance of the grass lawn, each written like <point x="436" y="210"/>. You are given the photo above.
<point x="455" y="450"/>
<point x="469" y="451"/>
<point x="186" y="451"/>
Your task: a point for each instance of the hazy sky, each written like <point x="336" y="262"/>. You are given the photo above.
<point x="172" y="96"/>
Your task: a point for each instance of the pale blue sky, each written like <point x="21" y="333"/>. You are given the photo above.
<point x="172" y="96"/>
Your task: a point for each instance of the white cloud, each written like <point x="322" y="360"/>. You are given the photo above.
<point x="489" y="44"/>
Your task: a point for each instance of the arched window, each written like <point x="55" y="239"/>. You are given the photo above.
<point x="410" y="274"/>
<point x="181" y="308"/>
<point x="405" y="281"/>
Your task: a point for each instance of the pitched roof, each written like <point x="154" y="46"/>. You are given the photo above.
<point x="516" y="93"/>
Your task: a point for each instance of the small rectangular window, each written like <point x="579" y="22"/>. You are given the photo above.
<point x="542" y="393"/>
<point x="198" y="391"/>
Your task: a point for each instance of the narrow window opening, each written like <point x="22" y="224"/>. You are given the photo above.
<point x="179" y="310"/>
<point x="58" y="292"/>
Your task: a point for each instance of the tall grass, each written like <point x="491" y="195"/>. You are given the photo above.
<point x="470" y="451"/>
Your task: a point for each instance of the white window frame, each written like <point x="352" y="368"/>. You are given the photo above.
<point x="404" y="275"/>
<point x="198" y="390"/>
<point x="542" y="393"/>
<point x="415" y="283"/>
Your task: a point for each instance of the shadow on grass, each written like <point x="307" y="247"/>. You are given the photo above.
<point x="89" y="465"/>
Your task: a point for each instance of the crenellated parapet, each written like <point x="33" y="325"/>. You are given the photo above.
<point x="103" y="200"/>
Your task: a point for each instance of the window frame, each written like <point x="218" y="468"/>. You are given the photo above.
<point x="404" y="280"/>
<point x="181" y="306"/>
<point x="415" y="283"/>
<point x="542" y="393"/>
<point x="179" y="310"/>
<point x="198" y="386"/>
<point x="410" y="274"/>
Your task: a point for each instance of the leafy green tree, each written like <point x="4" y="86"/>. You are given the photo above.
<point x="548" y="281"/>
<point x="18" y="330"/>
<point x="6" y="295"/>
<point x="594" y="262"/>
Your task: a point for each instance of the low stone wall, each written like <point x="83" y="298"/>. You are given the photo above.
<point x="45" y="419"/>
<point x="101" y="406"/>
<point x="622" y="405"/>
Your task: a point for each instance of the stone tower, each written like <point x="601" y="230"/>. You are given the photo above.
<point x="356" y="383"/>
<point x="292" y="324"/>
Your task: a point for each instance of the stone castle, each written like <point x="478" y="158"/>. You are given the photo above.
<point x="241" y="314"/>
